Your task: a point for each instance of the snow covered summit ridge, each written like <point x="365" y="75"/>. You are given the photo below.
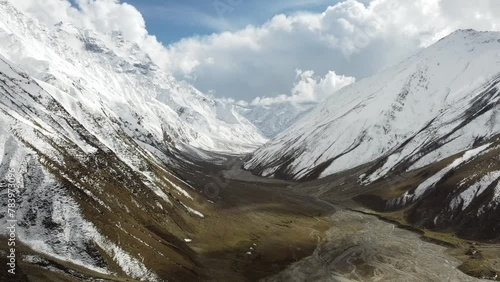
<point x="105" y="74"/>
<point x="434" y="104"/>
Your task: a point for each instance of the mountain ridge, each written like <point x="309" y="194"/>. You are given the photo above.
<point x="107" y="72"/>
<point x="350" y="128"/>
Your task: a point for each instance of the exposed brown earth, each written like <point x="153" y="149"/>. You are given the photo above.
<point x="257" y="228"/>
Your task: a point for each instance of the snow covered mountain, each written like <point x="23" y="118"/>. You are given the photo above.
<point x="440" y="102"/>
<point x="81" y="198"/>
<point x="93" y="137"/>
<point x="274" y="119"/>
<point x="421" y="139"/>
<point x="460" y="194"/>
<point x="106" y="76"/>
<point x="90" y="130"/>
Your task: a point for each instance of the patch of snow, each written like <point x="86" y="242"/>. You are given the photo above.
<point x="193" y="211"/>
<point x="475" y="190"/>
<point x="431" y="181"/>
<point x="496" y="196"/>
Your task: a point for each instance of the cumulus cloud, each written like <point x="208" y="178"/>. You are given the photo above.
<point x="308" y="89"/>
<point x="354" y="38"/>
<point x="350" y="38"/>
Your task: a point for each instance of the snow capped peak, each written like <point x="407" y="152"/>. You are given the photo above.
<point x="469" y="32"/>
<point x="68" y="27"/>
<point x="92" y="127"/>
<point x="106" y="74"/>
<point x="444" y="98"/>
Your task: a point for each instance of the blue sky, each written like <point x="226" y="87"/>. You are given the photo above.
<point x="172" y="20"/>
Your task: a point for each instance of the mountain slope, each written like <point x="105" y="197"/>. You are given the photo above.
<point x="108" y="76"/>
<point x="90" y="132"/>
<point x="76" y="199"/>
<point x="435" y="104"/>
<point x="87" y="211"/>
<point x="420" y="139"/>
<point x="459" y="195"/>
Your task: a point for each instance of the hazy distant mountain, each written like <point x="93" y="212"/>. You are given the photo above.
<point x="275" y="118"/>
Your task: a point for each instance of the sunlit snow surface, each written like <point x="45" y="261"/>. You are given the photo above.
<point x="433" y="180"/>
<point x="433" y="96"/>
<point x="104" y="75"/>
<point x="72" y="91"/>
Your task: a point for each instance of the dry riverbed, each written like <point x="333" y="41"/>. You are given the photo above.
<point x="361" y="247"/>
<point x="285" y="231"/>
<point x="257" y="229"/>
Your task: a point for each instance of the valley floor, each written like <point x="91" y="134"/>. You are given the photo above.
<point x="284" y="231"/>
<point x="261" y="229"/>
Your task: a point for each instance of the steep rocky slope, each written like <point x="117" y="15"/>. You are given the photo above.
<point x="90" y="133"/>
<point x="420" y="137"/>
<point x="107" y="76"/>
<point x="79" y="201"/>
<point x="435" y="104"/>
<point x="459" y="195"/>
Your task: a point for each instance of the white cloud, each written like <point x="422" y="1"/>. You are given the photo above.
<point x="101" y="16"/>
<point x="308" y="89"/>
<point x="350" y="38"/>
